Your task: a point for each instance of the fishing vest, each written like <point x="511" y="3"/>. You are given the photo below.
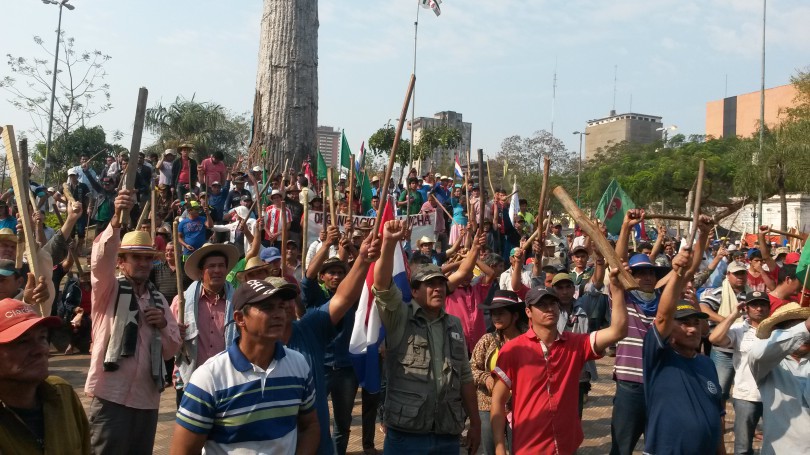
<point x="412" y="403"/>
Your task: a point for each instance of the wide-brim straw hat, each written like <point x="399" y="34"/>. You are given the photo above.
<point x="137" y="242"/>
<point x="185" y="145"/>
<point x="7" y="235"/>
<point x="787" y="312"/>
<point x="253" y="264"/>
<point x="192" y="265"/>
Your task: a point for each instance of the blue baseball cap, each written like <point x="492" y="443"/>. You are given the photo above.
<point x="270" y="254"/>
<point x="753" y="253"/>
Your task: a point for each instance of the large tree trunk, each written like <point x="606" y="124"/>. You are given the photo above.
<point x="285" y="107"/>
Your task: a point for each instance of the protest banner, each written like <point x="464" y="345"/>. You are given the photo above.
<point x="422" y="224"/>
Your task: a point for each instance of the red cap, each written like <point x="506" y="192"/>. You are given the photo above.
<point x="17" y="318"/>
<point x="792" y="258"/>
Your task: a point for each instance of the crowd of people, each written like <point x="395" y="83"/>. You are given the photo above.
<point x="490" y="343"/>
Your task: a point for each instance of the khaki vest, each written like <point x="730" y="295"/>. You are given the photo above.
<point x="411" y="403"/>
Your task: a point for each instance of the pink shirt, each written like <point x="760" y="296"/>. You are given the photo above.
<point x="210" y="325"/>
<point x="463" y="304"/>
<point x="213" y="172"/>
<point x="428" y="208"/>
<point x="131" y="385"/>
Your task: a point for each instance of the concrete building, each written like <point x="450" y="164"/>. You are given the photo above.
<point x="616" y="128"/>
<point x="798" y="214"/>
<point x="449" y="118"/>
<point x="739" y="115"/>
<point x="329" y="143"/>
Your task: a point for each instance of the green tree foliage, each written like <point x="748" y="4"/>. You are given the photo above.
<point x="382" y="141"/>
<point x="208" y="126"/>
<point x="67" y="148"/>
<point x="525" y="154"/>
<point x="442" y="138"/>
<point x="801" y="111"/>
<point x="81" y="92"/>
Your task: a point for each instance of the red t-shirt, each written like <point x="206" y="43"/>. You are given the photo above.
<point x="184" y="172"/>
<point x="545" y="391"/>
<point x="213" y="172"/>
<point x="776" y="302"/>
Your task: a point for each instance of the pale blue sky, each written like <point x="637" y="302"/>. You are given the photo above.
<point x="491" y="60"/>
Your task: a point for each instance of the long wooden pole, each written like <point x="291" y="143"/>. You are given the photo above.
<point x="351" y="191"/>
<point x="696" y="211"/>
<point x="481" y="199"/>
<point x="541" y="208"/>
<point x="70" y="250"/>
<point x="153" y="212"/>
<point x="134" y="149"/>
<point x="304" y="232"/>
<point x="599" y="241"/>
<point x="179" y="272"/>
<point x="392" y="157"/>
<point x="801" y="235"/>
<point x="331" y="190"/>
<point x="656" y="216"/>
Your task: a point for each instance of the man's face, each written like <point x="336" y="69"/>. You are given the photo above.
<point x="431" y="294"/>
<point x="522" y="206"/>
<point x="375" y="201"/>
<point x="414" y="185"/>
<point x="214" y="159"/>
<point x="686" y="333"/>
<point x="184" y="153"/>
<point x="73" y="178"/>
<point x="737" y="280"/>
<point x="544" y="313"/>
<point x="214" y="271"/>
<point x="646" y="279"/>
<point x="8" y="250"/>
<point x="669" y="249"/>
<point x="756" y="264"/>
<point x="110" y="160"/>
<point x="565" y="291"/>
<point x="758" y="310"/>
<point x="136" y="266"/>
<point x="580" y="259"/>
<point x="83" y="162"/>
<point x="426" y="248"/>
<point x="169" y="253"/>
<point x="265" y="321"/>
<point x="25" y="360"/>
<point x="168" y="157"/>
<point x="646" y="251"/>
<point x="332" y="277"/>
<point x="292" y="252"/>
<point x="216" y="189"/>
<point x="10" y="286"/>
<point x="193" y="213"/>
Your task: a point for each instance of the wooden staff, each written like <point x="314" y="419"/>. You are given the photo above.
<point x="489" y="177"/>
<point x="331" y="190"/>
<point x="481" y="189"/>
<point x="304" y="236"/>
<point x="440" y="205"/>
<point x="351" y="190"/>
<point x="144" y="212"/>
<point x="541" y="209"/>
<point x="283" y="223"/>
<point x="696" y="212"/>
<point x="392" y="157"/>
<point x="602" y="245"/>
<point x="656" y="216"/>
<point x="179" y="272"/>
<point x="800" y="236"/>
<point x="259" y="198"/>
<point x="324" y="205"/>
<point x="806" y="276"/>
<point x="135" y="147"/>
<point x="153" y="212"/>
<point x="22" y="190"/>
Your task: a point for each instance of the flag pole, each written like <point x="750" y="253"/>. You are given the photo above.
<point x="413" y="101"/>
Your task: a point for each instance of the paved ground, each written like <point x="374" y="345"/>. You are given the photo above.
<point x="595" y="422"/>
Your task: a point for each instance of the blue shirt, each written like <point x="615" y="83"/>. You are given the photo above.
<point x="9" y="222"/>
<point x="441" y="193"/>
<point x="337" y="352"/>
<point x="193" y="232"/>
<point x="310" y="335"/>
<point x="684" y="402"/>
<point x="217" y="201"/>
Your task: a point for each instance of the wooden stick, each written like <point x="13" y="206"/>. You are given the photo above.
<point x="696" y="212"/>
<point x="800" y="236"/>
<point x="541" y="207"/>
<point x="602" y="245"/>
<point x="481" y="203"/>
<point x="144" y="212"/>
<point x="22" y="189"/>
<point x="134" y="149"/>
<point x="70" y="250"/>
<point x="489" y="177"/>
<point x="331" y="190"/>
<point x="351" y="190"/>
<point x="283" y="223"/>
<point x="392" y="157"/>
<point x="440" y="205"/>
<point x="153" y="212"/>
<point x="304" y="236"/>
<point x="656" y="216"/>
<point x="806" y="276"/>
<point x="179" y="272"/>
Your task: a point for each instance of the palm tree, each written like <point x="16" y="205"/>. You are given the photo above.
<point x="203" y="124"/>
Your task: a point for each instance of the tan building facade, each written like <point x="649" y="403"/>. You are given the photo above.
<point x="329" y="143"/>
<point x="616" y="128"/>
<point x="739" y="115"/>
<point x="451" y="119"/>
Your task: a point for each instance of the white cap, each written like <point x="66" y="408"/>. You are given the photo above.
<point x="169" y="152"/>
<point x="275" y="192"/>
<point x="437" y="175"/>
<point x="732" y="248"/>
<point x="242" y="211"/>
<point x="736" y="242"/>
<point x="73" y="172"/>
<point x="342" y="176"/>
<point x="256" y="169"/>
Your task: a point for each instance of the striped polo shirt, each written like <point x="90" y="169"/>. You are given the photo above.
<point x="629" y="364"/>
<point x="242" y="407"/>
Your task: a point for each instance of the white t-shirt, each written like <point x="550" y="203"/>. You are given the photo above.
<point x="743" y="336"/>
<point x="165" y="177"/>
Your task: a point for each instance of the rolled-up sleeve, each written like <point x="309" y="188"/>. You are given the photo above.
<point x="393" y="312"/>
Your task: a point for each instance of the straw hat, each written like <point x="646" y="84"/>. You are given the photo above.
<point x="786" y="312"/>
<point x="192" y="266"/>
<point x="137" y="242"/>
<point x="424" y="240"/>
<point x="185" y="145"/>
<point x="252" y="265"/>
<point x="7" y="235"/>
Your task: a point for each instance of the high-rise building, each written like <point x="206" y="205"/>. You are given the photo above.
<point x="616" y="128"/>
<point x="739" y="115"/>
<point x="451" y="119"/>
<point x="329" y="143"/>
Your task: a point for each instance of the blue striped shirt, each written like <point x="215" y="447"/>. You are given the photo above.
<point x="240" y="406"/>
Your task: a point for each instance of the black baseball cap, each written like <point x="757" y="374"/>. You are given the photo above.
<point x="685" y="309"/>
<point x="257" y="291"/>
<point x="426" y="272"/>
<point x="534" y="295"/>
<point x="757" y="296"/>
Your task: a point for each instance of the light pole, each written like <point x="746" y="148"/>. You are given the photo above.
<point x="63" y="3"/>
<point x="579" y="160"/>
<point x="762" y="107"/>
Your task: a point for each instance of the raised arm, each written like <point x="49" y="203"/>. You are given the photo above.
<point x="598" y="277"/>
<point x="659" y="242"/>
<point x="332" y="236"/>
<point x="516" y="278"/>
<point x="618" y="317"/>
<point x="256" y="243"/>
<point x="665" y="316"/>
<point x="467" y="264"/>
<point x="393" y="232"/>
<point x="705" y="224"/>
<point x="765" y="249"/>
<point x="631" y="218"/>
<point x="719" y="336"/>
<point x="349" y="291"/>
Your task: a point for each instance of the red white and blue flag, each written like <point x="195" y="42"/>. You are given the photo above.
<point x="432" y="4"/>
<point x="368" y="331"/>
<point x="459" y="172"/>
<point x="358" y="162"/>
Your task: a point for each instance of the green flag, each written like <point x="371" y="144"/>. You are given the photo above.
<point x="804" y="263"/>
<point x="345" y="152"/>
<point x="321" y="167"/>
<point x="365" y="192"/>
<point x="612" y="207"/>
